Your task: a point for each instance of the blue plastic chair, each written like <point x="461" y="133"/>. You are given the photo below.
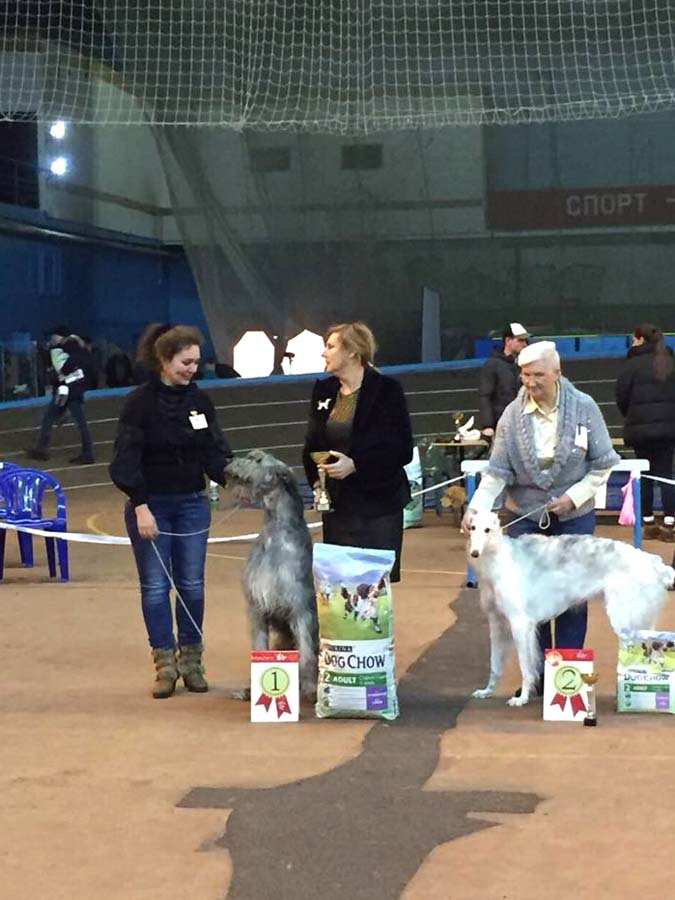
<point x="23" y="539"/>
<point x="22" y="491"/>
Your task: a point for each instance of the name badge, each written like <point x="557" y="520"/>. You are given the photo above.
<point x="581" y="437"/>
<point x="198" y="421"/>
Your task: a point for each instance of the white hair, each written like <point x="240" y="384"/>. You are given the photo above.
<point x="551" y="359"/>
<point x="541" y="350"/>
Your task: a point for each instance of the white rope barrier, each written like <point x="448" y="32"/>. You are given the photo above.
<point x="656" y="478"/>
<point x="116" y="539"/>
<point x="122" y="540"/>
<point x="435" y="487"/>
<point x="73" y="536"/>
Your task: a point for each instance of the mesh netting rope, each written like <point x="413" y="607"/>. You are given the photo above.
<point x="344" y="66"/>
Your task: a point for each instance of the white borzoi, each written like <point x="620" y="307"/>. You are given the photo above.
<point x="534" y="578"/>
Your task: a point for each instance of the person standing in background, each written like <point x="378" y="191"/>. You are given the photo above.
<point x="92" y="364"/>
<point x="645" y="395"/>
<point x="499" y="378"/>
<point x="118" y="368"/>
<point x="69" y="359"/>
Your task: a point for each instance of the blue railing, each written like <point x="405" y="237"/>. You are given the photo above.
<point x="571" y="344"/>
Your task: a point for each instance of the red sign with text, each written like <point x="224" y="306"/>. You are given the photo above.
<point x="581" y="207"/>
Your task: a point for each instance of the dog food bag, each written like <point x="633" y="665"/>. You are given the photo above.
<point x="646" y="672"/>
<point x="356" y="633"/>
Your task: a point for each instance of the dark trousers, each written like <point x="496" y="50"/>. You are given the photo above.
<point x="570" y="627"/>
<point x="660" y="456"/>
<point x="347" y="529"/>
<point x="54" y="414"/>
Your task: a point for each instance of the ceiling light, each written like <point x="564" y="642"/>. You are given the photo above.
<point x="59" y="166"/>
<point x="57" y="130"/>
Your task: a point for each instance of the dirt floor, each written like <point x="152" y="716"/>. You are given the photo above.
<point x="109" y="795"/>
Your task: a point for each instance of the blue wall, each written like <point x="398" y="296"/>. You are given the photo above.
<point x="128" y="290"/>
<point x="105" y="292"/>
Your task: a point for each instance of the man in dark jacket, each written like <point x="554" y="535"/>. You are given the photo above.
<point x="500" y="378"/>
<point x="69" y="362"/>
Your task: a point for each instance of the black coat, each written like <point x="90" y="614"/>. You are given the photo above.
<point x="380" y="445"/>
<point x="118" y="370"/>
<point x="158" y="449"/>
<point x="498" y="385"/>
<point x="70" y="361"/>
<point x="648" y="405"/>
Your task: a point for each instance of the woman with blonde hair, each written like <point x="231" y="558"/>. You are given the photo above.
<point x="361" y="417"/>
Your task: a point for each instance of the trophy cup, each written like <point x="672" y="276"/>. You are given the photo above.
<point x="322" y="501"/>
<point x="590" y="680"/>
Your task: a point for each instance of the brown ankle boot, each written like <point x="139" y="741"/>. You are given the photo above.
<point x="191" y="669"/>
<point x="167" y="673"/>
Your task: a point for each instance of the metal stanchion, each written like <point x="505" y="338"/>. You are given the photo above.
<point x="470" y="468"/>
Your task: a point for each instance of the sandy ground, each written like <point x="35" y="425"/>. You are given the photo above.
<point x="94" y="769"/>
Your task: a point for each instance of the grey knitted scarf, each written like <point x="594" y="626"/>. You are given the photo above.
<point x="514" y="456"/>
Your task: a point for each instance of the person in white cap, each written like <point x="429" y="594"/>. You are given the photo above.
<point x="552" y="453"/>
<point x="499" y="378"/>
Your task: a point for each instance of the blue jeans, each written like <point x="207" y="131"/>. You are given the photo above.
<point x="184" y="558"/>
<point x="570" y="627"/>
<point x="55" y="413"/>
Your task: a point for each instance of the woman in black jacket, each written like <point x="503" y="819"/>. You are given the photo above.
<point x="168" y="439"/>
<point x="645" y="394"/>
<point x="361" y="417"/>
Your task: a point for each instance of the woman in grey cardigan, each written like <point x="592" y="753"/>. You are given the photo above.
<point x="551" y="455"/>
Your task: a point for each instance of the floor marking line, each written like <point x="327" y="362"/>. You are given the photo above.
<point x="91" y="525"/>
<point x="225" y="556"/>
<point x="432" y="572"/>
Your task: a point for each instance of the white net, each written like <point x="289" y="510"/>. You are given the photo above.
<point x="335" y="65"/>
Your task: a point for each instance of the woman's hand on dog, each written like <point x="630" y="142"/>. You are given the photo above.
<point x="147" y="526"/>
<point x="466" y="520"/>
<point x="343" y="466"/>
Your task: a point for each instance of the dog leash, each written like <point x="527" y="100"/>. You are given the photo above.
<point x="229" y="515"/>
<point x="178" y="596"/>
<point x="544" y="518"/>
<point x="168" y="574"/>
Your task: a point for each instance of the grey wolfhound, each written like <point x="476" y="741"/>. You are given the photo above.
<point x="277" y="578"/>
